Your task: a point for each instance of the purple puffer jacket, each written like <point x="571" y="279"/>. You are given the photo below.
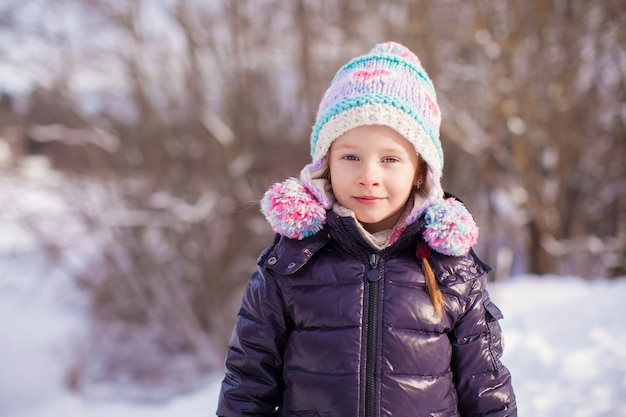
<point x="330" y="327"/>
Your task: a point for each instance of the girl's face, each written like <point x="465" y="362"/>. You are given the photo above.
<point x="372" y="172"/>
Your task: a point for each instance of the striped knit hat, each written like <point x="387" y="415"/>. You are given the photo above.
<point x="389" y="87"/>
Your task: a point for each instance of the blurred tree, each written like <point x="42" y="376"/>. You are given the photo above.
<point x="530" y="90"/>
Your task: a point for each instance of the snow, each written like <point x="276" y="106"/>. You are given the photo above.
<point x="565" y="344"/>
<point x="565" y="338"/>
<point x="565" y="347"/>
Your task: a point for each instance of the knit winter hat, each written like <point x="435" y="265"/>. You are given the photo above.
<point x="388" y="86"/>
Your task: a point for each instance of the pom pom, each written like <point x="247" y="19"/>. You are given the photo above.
<point x="450" y="228"/>
<point x="292" y="210"/>
<point x="395" y="48"/>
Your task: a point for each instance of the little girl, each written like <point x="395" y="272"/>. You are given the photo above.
<point x="371" y="301"/>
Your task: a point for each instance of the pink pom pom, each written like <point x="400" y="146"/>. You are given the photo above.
<point x="292" y="210"/>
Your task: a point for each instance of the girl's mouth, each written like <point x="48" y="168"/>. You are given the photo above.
<point x="368" y="200"/>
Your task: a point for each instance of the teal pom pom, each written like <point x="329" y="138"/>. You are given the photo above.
<point x="450" y="228"/>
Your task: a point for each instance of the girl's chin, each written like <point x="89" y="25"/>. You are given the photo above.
<point x="374" y="226"/>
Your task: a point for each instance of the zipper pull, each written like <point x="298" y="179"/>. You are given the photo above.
<point x="373" y="274"/>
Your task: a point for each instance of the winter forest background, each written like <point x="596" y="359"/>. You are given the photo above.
<point x="136" y="138"/>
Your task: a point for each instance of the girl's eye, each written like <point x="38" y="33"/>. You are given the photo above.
<point x="350" y="158"/>
<point x="390" y="160"/>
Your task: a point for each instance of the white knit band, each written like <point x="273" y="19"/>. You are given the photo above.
<point x="380" y="114"/>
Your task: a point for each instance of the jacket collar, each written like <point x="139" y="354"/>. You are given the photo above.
<point x="287" y="255"/>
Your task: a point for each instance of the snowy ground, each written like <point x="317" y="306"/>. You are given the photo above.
<point x="565" y="346"/>
<point x="565" y="339"/>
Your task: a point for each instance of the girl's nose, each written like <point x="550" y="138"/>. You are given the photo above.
<point x="369" y="175"/>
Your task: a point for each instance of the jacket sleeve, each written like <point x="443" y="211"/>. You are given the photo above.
<point x="253" y="383"/>
<point x="483" y="383"/>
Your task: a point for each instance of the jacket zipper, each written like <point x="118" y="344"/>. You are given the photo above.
<point x="373" y="276"/>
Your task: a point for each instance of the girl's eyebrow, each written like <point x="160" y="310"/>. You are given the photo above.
<point x="344" y="145"/>
<point x="393" y="149"/>
<point x="344" y="148"/>
<point x="387" y="149"/>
